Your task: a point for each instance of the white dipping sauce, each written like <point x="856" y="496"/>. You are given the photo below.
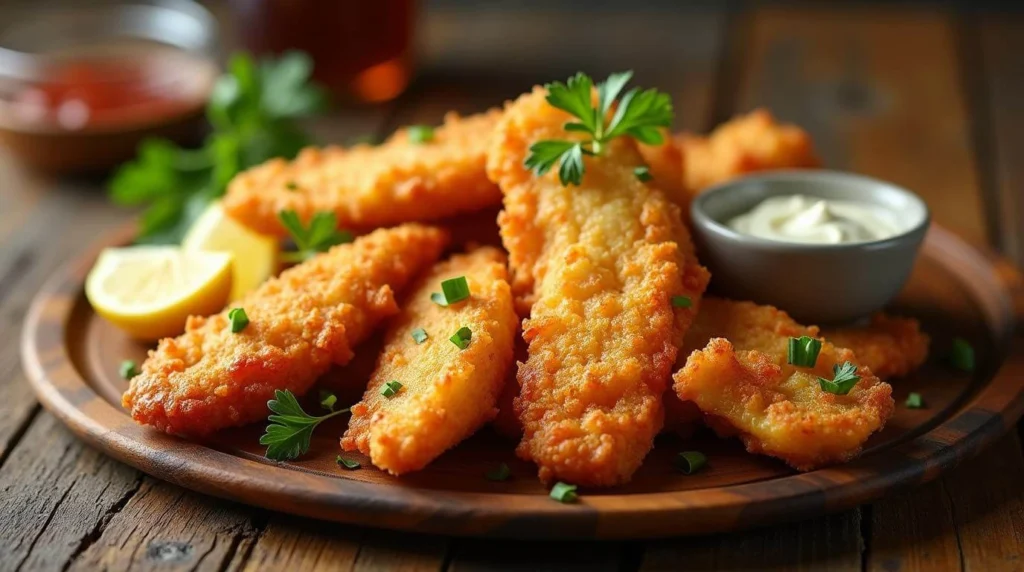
<point x="798" y="218"/>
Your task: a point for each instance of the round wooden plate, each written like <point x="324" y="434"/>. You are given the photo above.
<point x="72" y="357"/>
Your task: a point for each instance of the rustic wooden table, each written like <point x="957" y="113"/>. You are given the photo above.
<point x="927" y="98"/>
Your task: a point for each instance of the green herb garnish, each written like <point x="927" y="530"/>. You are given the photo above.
<point x="643" y="174"/>
<point x="640" y="114"/>
<point x="321" y="234"/>
<point x="287" y="436"/>
<point x="420" y="335"/>
<point x="347" y="463"/>
<point x="845" y="377"/>
<point x="914" y="401"/>
<point x="128" y="369"/>
<point x="564" y="493"/>
<point x="390" y="388"/>
<point x="690" y="462"/>
<point x="253" y="110"/>
<point x="803" y="351"/>
<point x="462" y="337"/>
<point x="291" y="186"/>
<point x="962" y="355"/>
<point x="420" y="133"/>
<point x="452" y="290"/>
<point x="500" y="473"/>
<point x="239" y="320"/>
<point x="327" y="400"/>
<point x="681" y="302"/>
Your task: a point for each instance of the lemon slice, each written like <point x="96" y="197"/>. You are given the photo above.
<point x="149" y="291"/>
<point x="255" y="255"/>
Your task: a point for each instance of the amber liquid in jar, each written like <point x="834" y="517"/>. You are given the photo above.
<point x="361" y="48"/>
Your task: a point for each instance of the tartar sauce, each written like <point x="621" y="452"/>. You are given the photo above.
<point x="798" y="218"/>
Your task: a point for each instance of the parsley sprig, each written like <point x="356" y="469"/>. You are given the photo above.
<point x="844" y="379"/>
<point x="640" y="114"/>
<point x="287" y="436"/>
<point x="252" y="110"/>
<point x="321" y="234"/>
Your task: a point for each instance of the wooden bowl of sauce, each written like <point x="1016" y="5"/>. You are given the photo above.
<point x="82" y="85"/>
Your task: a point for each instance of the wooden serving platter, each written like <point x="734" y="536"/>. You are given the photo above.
<point x="72" y="358"/>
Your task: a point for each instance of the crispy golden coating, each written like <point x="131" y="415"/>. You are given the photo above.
<point x="600" y="262"/>
<point x="367" y="187"/>
<point x="890" y="346"/>
<point x="447" y="393"/>
<point x="300" y="323"/>
<point x="744" y="144"/>
<point x="743" y="384"/>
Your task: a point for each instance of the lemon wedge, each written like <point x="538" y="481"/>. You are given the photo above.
<point x="149" y="291"/>
<point x="255" y="255"/>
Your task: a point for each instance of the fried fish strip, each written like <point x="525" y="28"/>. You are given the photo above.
<point x="890" y="346"/>
<point x="600" y="263"/>
<point x="300" y="323"/>
<point x="447" y="393"/>
<point x="743" y="384"/>
<point x="367" y="187"/>
<point x="687" y="164"/>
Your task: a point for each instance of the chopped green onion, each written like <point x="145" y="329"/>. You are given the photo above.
<point x="455" y="290"/>
<point x="462" y="337"/>
<point x="420" y="133"/>
<point x="689" y="462"/>
<point x="390" y="388"/>
<point x="501" y="473"/>
<point x="845" y="379"/>
<point x="962" y="355"/>
<point x="681" y="302"/>
<point x="914" y="401"/>
<point x="347" y="463"/>
<point x="438" y="298"/>
<point x="803" y="351"/>
<point x="563" y="492"/>
<point x="643" y="174"/>
<point x="327" y="400"/>
<point x="128" y="369"/>
<point x="238" y="320"/>
<point x="420" y="335"/>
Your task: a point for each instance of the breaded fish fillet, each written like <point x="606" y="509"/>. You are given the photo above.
<point x="300" y="323"/>
<point x="686" y="164"/>
<point x="600" y="263"/>
<point x="447" y="393"/>
<point x="741" y="381"/>
<point x="367" y="187"/>
<point x="890" y="346"/>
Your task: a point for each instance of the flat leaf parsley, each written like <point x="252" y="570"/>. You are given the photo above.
<point x="287" y="435"/>
<point x="639" y="113"/>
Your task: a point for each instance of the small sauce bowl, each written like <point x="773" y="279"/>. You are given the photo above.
<point x="815" y="283"/>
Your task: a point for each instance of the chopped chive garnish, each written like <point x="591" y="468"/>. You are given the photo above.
<point x="681" y="302"/>
<point x="420" y="133"/>
<point x="291" y="186"/>
<point x="347" y="463"/>
<point x="563" y="492"/>
<point x="455" y="289"/>
<point x="643" y="174"/>
<point x="462" y="337"/>
<point x="803" y="351"/>
<point x="501" y="473"/>
<point x="962" y="355"/>
<point x="689" y="462"/>
<point x="420" y="335"/>
<point x="390" y="388"/>
<point x="914" y="401"/>
<point x="238" y="320"/>
<point x="845" y="377"/>
<point x="438" y="298"/>
<point x="327" y="400"/>
<point x="128" y="369"/>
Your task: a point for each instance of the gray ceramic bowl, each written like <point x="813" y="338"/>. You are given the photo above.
<point x="830" y="283"/>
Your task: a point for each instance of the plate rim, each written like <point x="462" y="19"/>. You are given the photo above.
<point x="986" y="416"/>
